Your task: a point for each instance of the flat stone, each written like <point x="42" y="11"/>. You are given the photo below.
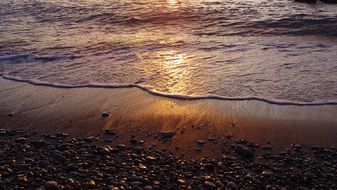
<point x="200" y="142"/>
<point x="109" y="132"/>
<point x="151" y="158"/>
<point x="166" y="134"/>
<point x="244" y="151"/>
<point x="53" y="185"/>
<point x="181" y="181"/>
<point x="21" y="140"/>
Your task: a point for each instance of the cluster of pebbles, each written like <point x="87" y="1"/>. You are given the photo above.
<point x="59" y="162"/>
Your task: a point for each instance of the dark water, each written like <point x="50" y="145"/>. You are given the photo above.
<point x="272" y="49"/>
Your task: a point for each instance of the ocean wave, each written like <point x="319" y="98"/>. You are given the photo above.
<point x="12" y="58"/>
<point x="168" y="95"/>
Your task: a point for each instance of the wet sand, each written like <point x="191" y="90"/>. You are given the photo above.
<point x="133" y="112"/>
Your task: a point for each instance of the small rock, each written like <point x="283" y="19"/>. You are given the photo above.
<point x="22" y="166"/>
<point x="91" y="183"/>
<point x="43" y="163"/>
<point x="105" y="114"/>
<point x="297" y="146"/>
<point x="151" y="158"/>
<point x="244" y="151"/>
<point x="209" y="185"/>
<point x="200" y="142"/>
<point x="148" y="187"/>
<point x="38" y="143"/>
<point x="109" y="132"/>
<point x="53" y="185"/>
<point x="181" y="181"/>
<point x="220" y="184"/>
<point x="166" y="134"/>
<point x="209" y="167"/>
<point x="22" y="178"/>
<point x="62" y="135"/>
<point x="141" y="166"/>
<point x="232" y="185"/>
<point x="3" y="131"/>
<point x="21" y="140"/>
<point x="103" y="151"/>
<point x="267" y="173"/>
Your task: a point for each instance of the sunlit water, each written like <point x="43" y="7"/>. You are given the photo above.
<point x="273" y="49"/>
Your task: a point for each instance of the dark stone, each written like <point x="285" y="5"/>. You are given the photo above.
<point x="109" y="132"/>
<point x="209" y="167"/>
<point x="200" y="142"/>
<point x="232" y="185"/>
<point x="209" y="185"/>
<point x="244" y="151"/>
<point x="59" y="157"/>
<point x="43" y="163"/>
<point x="105" y="114"/>
<point x="22" y="166"/>
<point x="21" y="140"/>
<point x="2" y="132"/>
<point x="103" y="151"/>
<point x="52" y="185"/>
<point x="166" y="134"/>
<point x="38" y="143"/>
<point x="62" y="135"/>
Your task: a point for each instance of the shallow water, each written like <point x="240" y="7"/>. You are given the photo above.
<point x="263" y="48"/>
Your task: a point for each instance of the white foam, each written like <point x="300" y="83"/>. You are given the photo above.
<point x="176" y="96"/>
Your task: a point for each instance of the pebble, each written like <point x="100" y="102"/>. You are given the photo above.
<point x="52" y="185"/>
<point x="148" y="187"/>
<point x="43" y="163"/>
<point x="91" y="183"/>
<point x="244" y="151"/>
<point x="105" y="114"/>
<point x="21" y="140"/>
<point x="209" y="185"/>
<point x="88" y="165"/>
<point x="166" y="134"/>
<point x="110" y="132"/>
<point x="181" y="181"/>
<point x="232" y="185"/>
<point x="200" y="142"/>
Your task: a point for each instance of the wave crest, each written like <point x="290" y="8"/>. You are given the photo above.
<point x="175" y="96"/>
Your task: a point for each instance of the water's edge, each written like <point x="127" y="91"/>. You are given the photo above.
<point x="175" y="96"/>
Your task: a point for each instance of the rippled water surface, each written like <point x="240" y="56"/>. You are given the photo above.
<point x="273" y="49"/>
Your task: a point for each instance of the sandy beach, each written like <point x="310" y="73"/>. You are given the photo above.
<point x="131" y="111"/>
<point x="126" y="138"/>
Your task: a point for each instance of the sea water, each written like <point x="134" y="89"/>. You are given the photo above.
<point x="273" y="50"/>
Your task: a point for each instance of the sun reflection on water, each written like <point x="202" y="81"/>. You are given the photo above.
<point x="172" y="3"/>
<point x="174" y="73"/>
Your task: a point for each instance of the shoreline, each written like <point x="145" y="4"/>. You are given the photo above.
<point x="130" y="111"/>
<point x="168" y="95"/>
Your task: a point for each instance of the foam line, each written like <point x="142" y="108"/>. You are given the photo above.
<point x="175" y="96"/>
